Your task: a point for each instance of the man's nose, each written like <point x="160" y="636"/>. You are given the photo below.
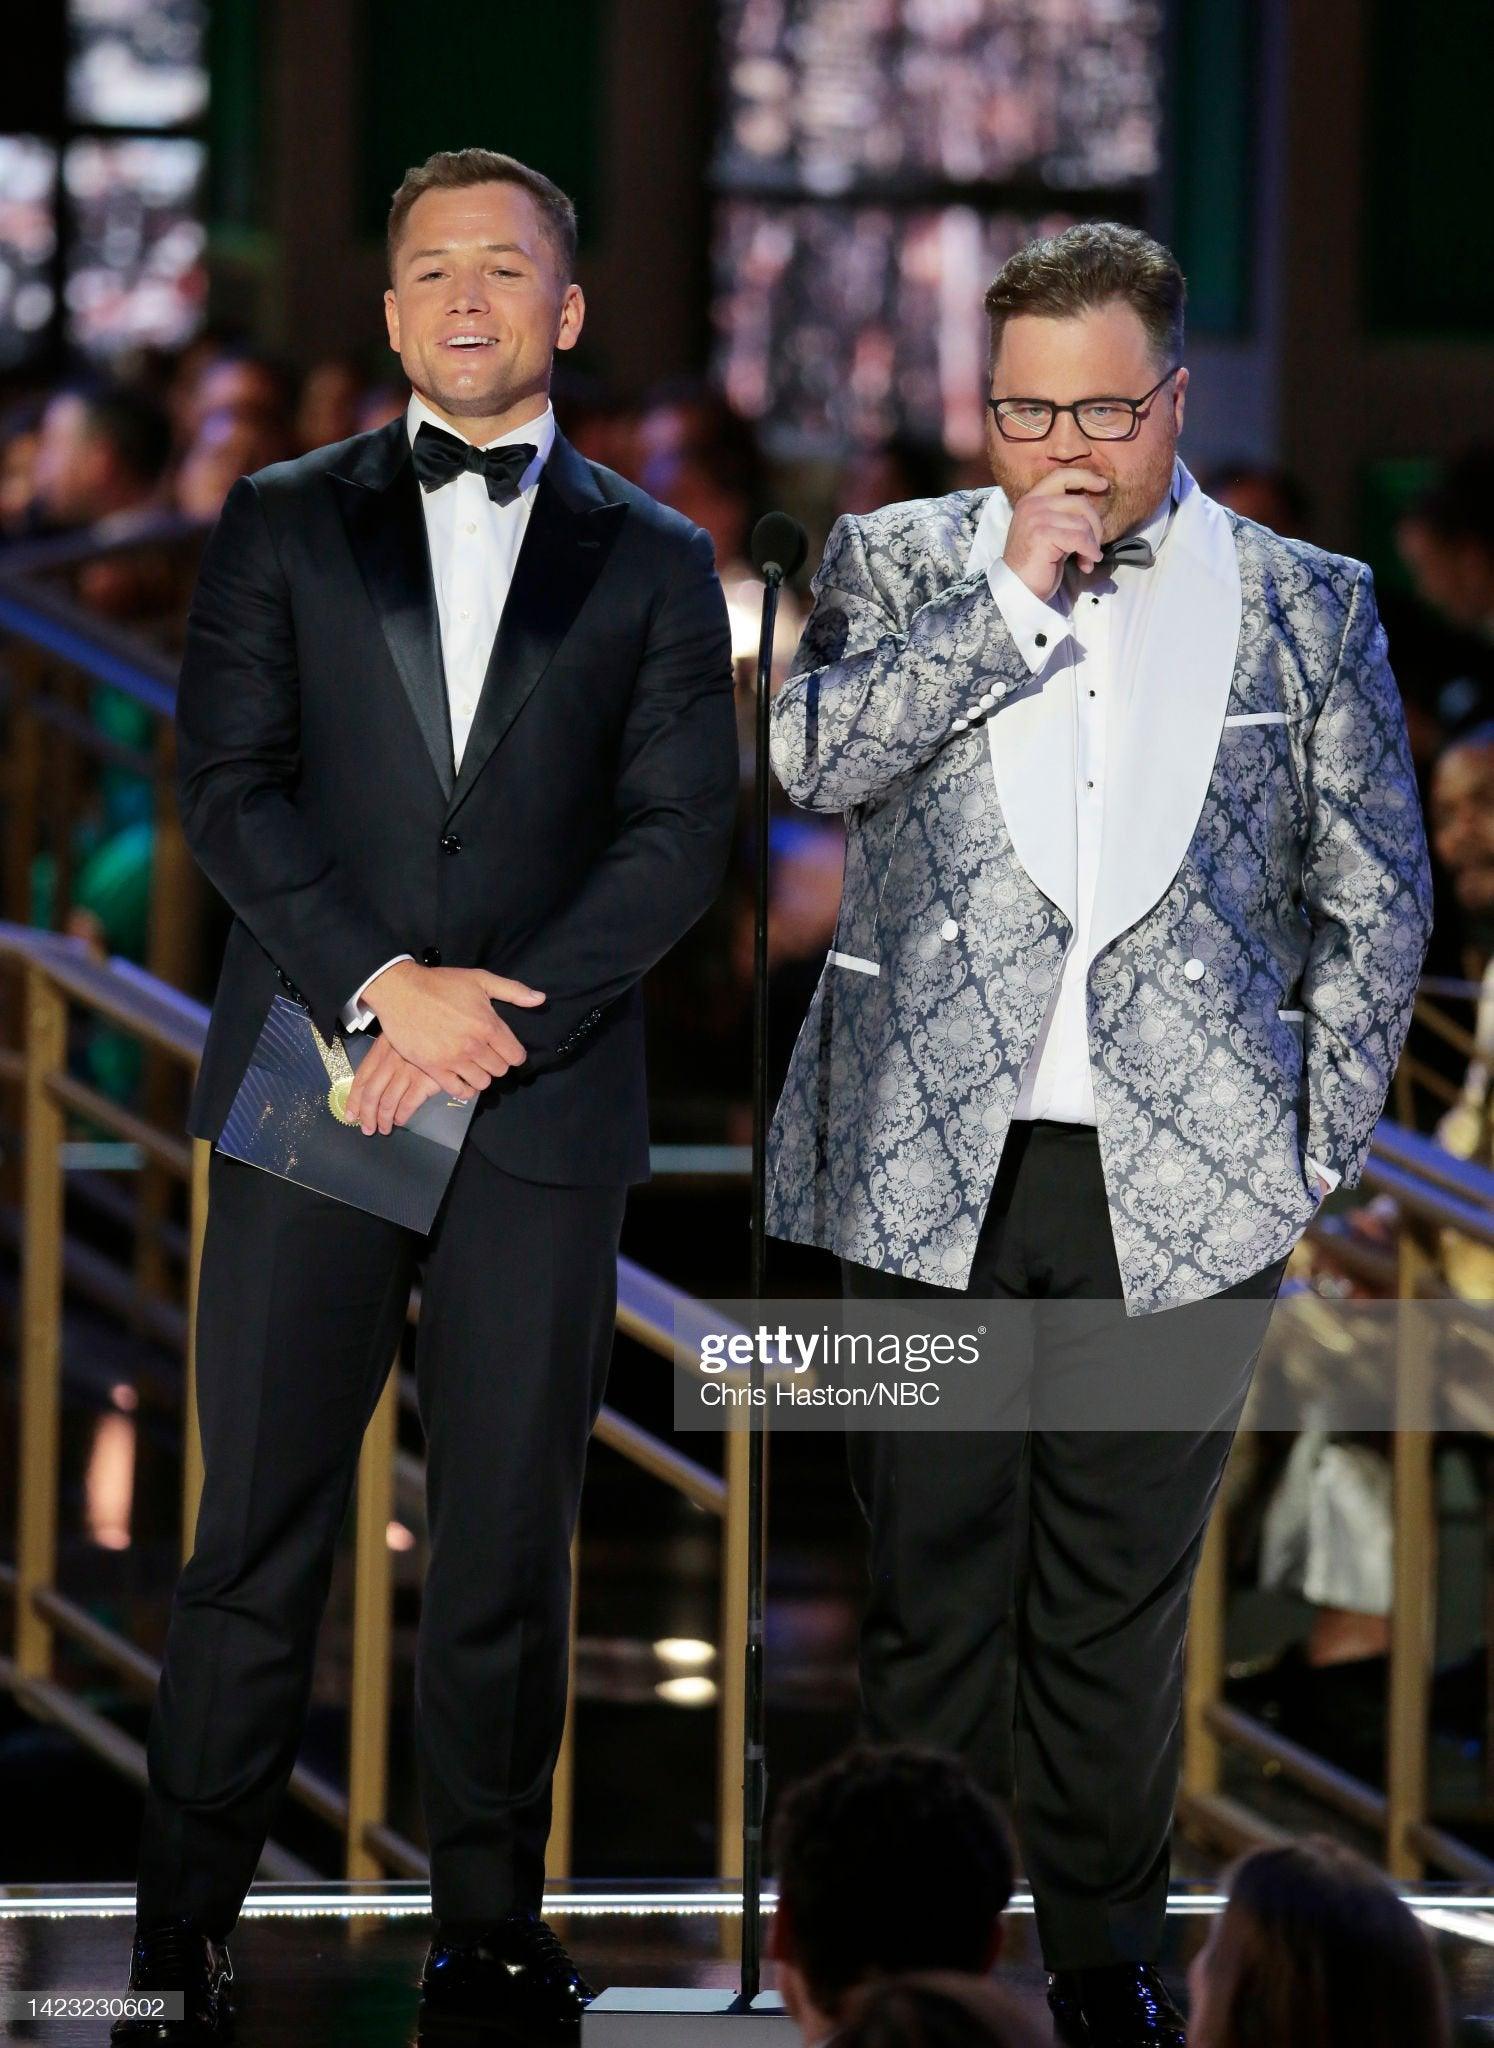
<point x="1066" y="443"/>
<point x="468" y="293"/>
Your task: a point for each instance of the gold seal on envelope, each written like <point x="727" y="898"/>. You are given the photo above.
<point x="339" y="1072"/>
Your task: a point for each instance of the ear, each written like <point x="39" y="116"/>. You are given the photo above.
<point x="572" y="317"/>
<point x="391" y="318"/>
<point x="1179" y="386"/>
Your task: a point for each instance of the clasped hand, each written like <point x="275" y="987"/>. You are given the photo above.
<point x="439" y="1032"/>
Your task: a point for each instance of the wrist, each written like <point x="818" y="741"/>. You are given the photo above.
<point x="387" y="982"/>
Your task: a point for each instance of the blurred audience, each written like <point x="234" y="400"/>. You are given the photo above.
<point x="1315" y="1950"/>
<point x="329" y="403"/>
<point x="1262" y="491"/>
<point x="892" y="472"/>
<point x="889" y="1860"/>
<point x="99" y="460"/>
<point x="226" y="446"/>
<point x="1446" y="540"/>
<point x="938" y="2010"/>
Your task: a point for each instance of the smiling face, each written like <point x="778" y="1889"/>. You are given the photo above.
<point x="478" y="306"/>
<point x="1103" y="352"/>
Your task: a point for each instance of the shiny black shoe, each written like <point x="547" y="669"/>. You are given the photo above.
<point x="1114" y="2005"/>
<point x="175" y="1955"/>
<point x="509" y="1981"/>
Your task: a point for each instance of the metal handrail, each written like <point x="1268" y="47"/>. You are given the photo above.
<point x="1434" y="1190"/>
<point x="60" y="973"/>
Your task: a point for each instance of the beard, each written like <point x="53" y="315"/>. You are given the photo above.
<point x="1128" y="502"/>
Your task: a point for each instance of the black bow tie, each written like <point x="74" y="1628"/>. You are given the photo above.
<point x="440" y="456"/>
<point x="1133" y="549"/>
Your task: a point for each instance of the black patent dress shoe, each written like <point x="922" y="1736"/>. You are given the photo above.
<point x="1114" y="2005"/>
<point x="175" y="1955"/>
<point x="508" y="1981"/>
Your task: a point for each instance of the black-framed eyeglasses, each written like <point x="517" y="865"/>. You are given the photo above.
<point x="1098" y="419"/>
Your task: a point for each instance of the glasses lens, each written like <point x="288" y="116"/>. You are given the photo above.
<point x="1023" y="418"/>
<point x="1106" y="422"/>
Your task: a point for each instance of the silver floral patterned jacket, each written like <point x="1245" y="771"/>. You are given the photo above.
<point x="1259" y="924"/>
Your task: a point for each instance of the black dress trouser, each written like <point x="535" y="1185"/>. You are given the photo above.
<point x="1029" y="1586"/>
<point x="301" y="1303"/>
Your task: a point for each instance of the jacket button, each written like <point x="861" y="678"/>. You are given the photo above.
<point x="432" y="956"/>
<point x="450" y="843"/>
<point x="1193" y="969"/>
<point x="949" y="929"/>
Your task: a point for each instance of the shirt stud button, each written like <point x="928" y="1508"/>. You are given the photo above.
<point x="1193" y="969"/>
<point x="949" y="929"/>
<point x="1042" y="639"/>
<point x="958" y="724"/>
<point x="471" y="526"/>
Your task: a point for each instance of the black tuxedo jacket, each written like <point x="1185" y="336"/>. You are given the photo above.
<point x="588" y="829"/>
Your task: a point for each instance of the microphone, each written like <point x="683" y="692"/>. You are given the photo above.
<point x="779" y="545"/>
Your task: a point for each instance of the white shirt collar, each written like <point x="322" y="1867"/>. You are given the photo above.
<point x="540" y="430"/>
<point x="996" y="516"/>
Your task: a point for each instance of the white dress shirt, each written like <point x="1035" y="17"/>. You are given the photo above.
<point x="1085" y="638"/>
<point x="474" y="544"/>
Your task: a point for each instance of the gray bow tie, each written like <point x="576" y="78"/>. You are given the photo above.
<point x="1133" y="549"/>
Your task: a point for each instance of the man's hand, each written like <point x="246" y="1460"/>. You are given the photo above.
<point x="387" y="1089"/>
<point x="442" y="1020"/>
<point x="1055" y="519"/>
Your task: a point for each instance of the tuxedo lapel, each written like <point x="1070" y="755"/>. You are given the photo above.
<point x="1165" y="724"/>
<point x="571" y="531"/>
<point x="380" y="500"/>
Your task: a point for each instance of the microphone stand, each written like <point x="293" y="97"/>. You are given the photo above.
<point x="754" y="1746"/>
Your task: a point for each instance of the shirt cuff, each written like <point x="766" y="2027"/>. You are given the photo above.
<point x="355" y="1014"/>
<point x="1036" y="626"/>
<point x="1329" y="1173"/>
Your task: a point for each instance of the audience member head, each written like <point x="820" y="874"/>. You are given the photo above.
<point x="99" y="452"/>
<point x="1314" y="1950"/>
<point x="937" y="2010"/>
<point x="699" y="456"/>
<point x="889" y="473"/>
<point x="20" y="436"/>
<point x="1461" y="820"/>
<point x="328" y="403"/>
<point x="249" y="386"/>
<point x="889" y="1860"/>
<point x="1446" y="540"/>
<point x="1262" y="491"/>
<point x="226" y="446"/>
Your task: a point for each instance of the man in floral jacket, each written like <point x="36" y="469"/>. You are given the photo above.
<point x="1135" y="902"/>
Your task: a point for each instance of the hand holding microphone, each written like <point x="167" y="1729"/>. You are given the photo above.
<point x="1057" y="518"/>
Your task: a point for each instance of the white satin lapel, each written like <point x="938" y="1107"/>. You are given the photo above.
<point x="1032" y="757"/>
<point x="1164" y="727"/>
<point x="1032" y="754"/>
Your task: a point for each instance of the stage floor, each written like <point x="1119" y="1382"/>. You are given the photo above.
<point x="337" y="1964"/>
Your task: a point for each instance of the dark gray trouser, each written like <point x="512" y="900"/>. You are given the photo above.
<point x="1029" y="1586"/>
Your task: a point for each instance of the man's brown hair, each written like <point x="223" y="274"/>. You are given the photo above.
<point x="1089" y="265"/>
<point x="451" y="169"/>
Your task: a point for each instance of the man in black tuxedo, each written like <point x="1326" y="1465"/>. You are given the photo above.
<point x="456" y="744"/>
